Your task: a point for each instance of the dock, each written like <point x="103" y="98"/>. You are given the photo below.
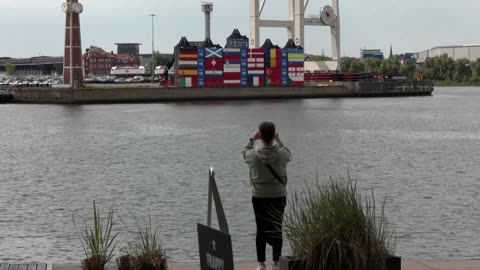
<point x="5" y="97"/>
<point x="126" y="94"/>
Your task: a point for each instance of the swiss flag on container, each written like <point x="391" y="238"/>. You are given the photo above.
<point x="214" y="64"/>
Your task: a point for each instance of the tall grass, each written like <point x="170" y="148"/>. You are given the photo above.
<point x="98" y="240"/>
<point x="331" y="226"/>
<point x="147" y="253"/>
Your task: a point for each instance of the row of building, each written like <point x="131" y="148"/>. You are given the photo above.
<point x="469" y="51"/>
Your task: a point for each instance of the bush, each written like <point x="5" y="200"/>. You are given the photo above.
<point x="147" y="254"/>
<point x="332" y="227"/>
<point x="98" y="242"/>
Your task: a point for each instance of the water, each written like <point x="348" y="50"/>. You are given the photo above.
<point x="422" y="152"/>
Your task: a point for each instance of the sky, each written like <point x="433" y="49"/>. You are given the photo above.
<point x="36" y="27"/>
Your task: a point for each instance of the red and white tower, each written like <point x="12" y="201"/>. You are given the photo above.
<point x="72" y="61"/>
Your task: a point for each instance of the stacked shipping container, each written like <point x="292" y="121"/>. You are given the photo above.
<point x="211" y="66"/>
<point x="256" y="67"/>
<point x="273" y="67"/>
<point x="187" y="67"/>
<point x="214" y="67"/>
<point x="295" y="67"/>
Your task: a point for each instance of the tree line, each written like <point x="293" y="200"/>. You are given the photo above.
<point x="439" y="68"/>
<point x="390" y="66"/>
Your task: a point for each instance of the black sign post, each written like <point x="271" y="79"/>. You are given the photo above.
<point x="215" y="246"/>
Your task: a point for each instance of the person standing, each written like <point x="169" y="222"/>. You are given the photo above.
<point x="268" y="178"/>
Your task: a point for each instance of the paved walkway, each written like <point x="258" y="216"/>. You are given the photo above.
<point x="406" y="265"/>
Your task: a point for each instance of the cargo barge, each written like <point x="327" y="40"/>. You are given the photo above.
<point x="175" y="94"/>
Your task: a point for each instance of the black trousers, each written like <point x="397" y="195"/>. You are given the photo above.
<point x="269" y="218"/>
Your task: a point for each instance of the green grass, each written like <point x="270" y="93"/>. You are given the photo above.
<point x="331" y="226"/>
<point x="98" y="240"/>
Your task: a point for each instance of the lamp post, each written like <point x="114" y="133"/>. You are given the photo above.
<point x="153" y="48"/>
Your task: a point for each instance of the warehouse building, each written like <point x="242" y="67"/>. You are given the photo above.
<point x="471" y="52"/>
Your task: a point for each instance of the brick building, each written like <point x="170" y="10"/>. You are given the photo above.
<point x="98" y="62"/>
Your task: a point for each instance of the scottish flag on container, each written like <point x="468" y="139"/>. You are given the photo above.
<point x="201" y="67"/>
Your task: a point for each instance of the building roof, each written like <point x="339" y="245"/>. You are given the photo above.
<point x="456" y="46"/>
<point x="128" y="44"/>
<point x="97" y="52"/>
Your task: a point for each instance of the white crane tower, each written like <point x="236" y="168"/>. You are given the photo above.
<point x="295" y="25"/>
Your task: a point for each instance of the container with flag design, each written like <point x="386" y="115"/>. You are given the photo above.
<point x="232" y="67"/>
<point x="187" y="72"/>
<point x="284" y="67"/>
<point x="273" y="67"/>
<point x="214" y="67"/>
<point x="296" y="67"/>
<point x="256" y="67"/>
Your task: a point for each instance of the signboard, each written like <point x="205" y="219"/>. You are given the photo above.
<point x="215" y="246"/>
<point x="215" y="249"/>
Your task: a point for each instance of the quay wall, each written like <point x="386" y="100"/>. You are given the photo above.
<point x="162" y="94"/>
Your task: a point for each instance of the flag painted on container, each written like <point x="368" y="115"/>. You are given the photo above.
<point x="273" y="67"/>
<point x="187" y="82"/>
<point x="214" y="67"/>
<point x="296" y="70"/>
<point x="256" y="67"/>
<point x="188" y="68"/>
<point x="232" y="67"/>
<point x="201" y="67"/>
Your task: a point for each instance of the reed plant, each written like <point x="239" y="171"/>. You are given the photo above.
<point x="147" y="253"/>
<point x="98" y="240"/>
<point x="332" y="226"/>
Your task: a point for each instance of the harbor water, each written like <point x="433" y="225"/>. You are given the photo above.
<point x="421" y="152"/>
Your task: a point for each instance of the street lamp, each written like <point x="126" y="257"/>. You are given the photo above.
<point x="153" y="49"/>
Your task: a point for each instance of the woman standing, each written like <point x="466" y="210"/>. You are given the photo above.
<point x="268" y="175"/>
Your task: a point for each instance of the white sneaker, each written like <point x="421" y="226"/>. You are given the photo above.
<point x="275" y="267"/>
<point x="261" y="267"/>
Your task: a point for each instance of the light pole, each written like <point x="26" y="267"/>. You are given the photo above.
<point x="153" y="48"/>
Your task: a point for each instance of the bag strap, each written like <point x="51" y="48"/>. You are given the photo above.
<point x="270" y="168"/>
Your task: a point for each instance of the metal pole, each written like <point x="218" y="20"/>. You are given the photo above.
<point x="153" y="48"/>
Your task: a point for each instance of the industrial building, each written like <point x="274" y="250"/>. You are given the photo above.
<point x="471" y="52"/>
<point x="371" y="53"/>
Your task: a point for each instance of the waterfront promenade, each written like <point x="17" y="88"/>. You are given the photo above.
<point x="406" y="265"/>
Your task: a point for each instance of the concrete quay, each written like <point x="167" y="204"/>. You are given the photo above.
<point x="116" y="94"/>
<point x="406" y="265"/>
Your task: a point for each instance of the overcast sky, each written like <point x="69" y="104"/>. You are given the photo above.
<point x="36" y="27"/>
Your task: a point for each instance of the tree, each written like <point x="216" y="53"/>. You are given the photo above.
<point x="390" y="66"/>
<point x="162" y="59"/>
<point x="463" y="72"/>
<point x="408" y="69"/>
<point x="345" y="63"/>
<point x="440" y="68"/>
<point x="373" y="65"/>
<point x="475" y="67"/>
<point x="356" y="66"/>
<point x="10" y="69"/>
